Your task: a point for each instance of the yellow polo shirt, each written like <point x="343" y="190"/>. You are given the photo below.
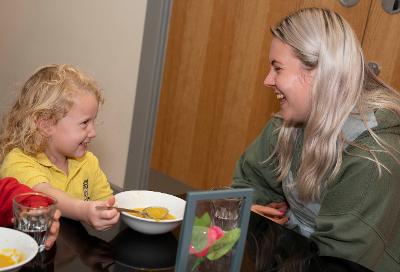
<point x="85" y="179"/>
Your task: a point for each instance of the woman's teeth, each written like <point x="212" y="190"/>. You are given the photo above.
<point x="280" y="96"/>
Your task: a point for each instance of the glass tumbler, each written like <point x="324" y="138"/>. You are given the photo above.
<point x="226" y="211"/>
<point x="33" y="214"/>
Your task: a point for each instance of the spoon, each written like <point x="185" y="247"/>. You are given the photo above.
<point x="152" y="212"/>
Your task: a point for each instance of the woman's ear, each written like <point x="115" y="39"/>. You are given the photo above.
<point x="309" y="76"/>
<point x="44" y="126"/>
<point x="306" y="76"/>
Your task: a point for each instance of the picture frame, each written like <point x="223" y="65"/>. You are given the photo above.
<point x="199" y="203"/>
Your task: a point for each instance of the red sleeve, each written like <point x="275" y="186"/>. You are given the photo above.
<point x="9" y="187"/>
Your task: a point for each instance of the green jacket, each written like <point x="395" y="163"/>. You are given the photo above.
<point x="359" y="218"/>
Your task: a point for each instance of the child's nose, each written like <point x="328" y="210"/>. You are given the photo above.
<point x="92" y="131"/>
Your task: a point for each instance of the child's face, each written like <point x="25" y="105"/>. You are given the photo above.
<point x="70" y="136"/>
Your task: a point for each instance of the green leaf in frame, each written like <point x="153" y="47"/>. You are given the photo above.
<point x="199" y="238"/>
<point x="204" y="220"/>
<point x="224" y="245"/>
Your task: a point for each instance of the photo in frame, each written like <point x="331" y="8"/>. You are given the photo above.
<point x="214" y="230"/>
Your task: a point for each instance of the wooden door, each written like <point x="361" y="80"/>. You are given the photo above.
<point x="382" y="43"/>
<point x="213" y="102"/>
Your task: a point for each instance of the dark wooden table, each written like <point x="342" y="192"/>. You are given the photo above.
<point x="269" y="247"/>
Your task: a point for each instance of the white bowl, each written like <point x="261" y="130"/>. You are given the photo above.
<point x="142" y="199"/>
<point x="22" y="243"/>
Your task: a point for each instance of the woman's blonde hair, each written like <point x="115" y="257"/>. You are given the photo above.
<point x="322" y="40"/>
<point x="48" y="94"/>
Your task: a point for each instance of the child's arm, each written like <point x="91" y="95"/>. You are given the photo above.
<point x="82" y="210"/>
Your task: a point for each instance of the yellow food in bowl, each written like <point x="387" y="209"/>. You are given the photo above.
<point x="10" y="257"/>
<point x="155" y="212"/>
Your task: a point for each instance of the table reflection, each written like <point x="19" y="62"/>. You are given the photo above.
<point x="119" y="249"/>
<point x="269" y="247"/>
<point x="43" y="261"/>
<point x="272" y="247"/>
<point x="139" y="251"/>
<point x="74" y="242"/>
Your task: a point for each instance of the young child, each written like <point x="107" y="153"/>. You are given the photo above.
<point x="44" y="143"/>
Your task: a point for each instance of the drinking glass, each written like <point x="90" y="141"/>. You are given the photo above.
<point x="33" y="214"/>
<point x="226" y="211"/>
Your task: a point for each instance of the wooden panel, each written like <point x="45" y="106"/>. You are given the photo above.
<point x="382" y="43"/>
<point x="213" y="102"/>
<point x="356" y="16"/>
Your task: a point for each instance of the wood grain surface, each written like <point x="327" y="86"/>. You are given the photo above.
<point x="213" y="103"/>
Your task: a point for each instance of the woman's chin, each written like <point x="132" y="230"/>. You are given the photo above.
<point x="291" y="118"/>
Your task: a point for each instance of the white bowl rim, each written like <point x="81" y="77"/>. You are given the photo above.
<point x="148" y="219"/>
<point x="27" y="258"/>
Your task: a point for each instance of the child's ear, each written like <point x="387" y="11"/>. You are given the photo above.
<point x="44" y="126"/>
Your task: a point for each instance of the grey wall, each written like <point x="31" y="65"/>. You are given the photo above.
<point x="102" y="38"/>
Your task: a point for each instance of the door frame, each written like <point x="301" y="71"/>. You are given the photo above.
<point x="147" y="94"/>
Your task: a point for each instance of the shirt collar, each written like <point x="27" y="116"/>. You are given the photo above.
<point x="72" y="163"/>
<point x="354" y="125"/>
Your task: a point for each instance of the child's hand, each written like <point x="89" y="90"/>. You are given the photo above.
<point x="274" y="211"/>
<point x="101" y="219"/>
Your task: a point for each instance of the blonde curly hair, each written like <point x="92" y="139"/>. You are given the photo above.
<point x="47" y="94"/>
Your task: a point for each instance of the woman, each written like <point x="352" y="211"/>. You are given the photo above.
<point x="328" y="163"/>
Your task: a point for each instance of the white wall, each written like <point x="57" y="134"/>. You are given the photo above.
<point x="103" y="38"/>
